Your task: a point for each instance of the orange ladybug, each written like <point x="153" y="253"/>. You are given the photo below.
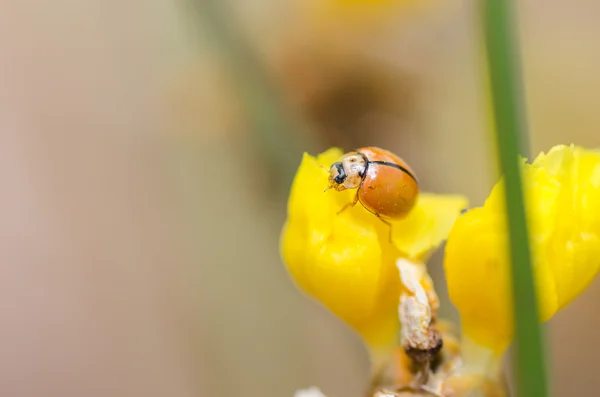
<point x="386" y="186"/>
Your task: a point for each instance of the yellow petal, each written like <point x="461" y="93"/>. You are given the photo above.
<point x="346" y="260"/>
<point x="477" y="277"/>
<point x="562" y="190"/>
<point x="337" y="258"/>
<point x="428" y="224"/>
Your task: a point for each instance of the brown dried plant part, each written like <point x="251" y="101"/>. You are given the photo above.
<point x="445" y="379"/>
<point x="421" y="341"/>
<point x="422" y="367"/>
<point x="418" y="315"/>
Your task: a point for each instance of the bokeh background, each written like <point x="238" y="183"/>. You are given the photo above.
<point x="146" y="151"/>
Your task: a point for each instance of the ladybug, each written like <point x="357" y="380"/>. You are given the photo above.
<point x="386" y="186"/>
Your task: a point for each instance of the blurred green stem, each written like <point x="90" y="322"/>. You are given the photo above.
<point x="508" y="112"/>
<point x="280" y="135"/>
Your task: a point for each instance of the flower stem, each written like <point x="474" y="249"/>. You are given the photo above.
<point x="510" y="128"/>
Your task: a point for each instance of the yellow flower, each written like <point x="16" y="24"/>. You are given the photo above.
<point x="361" y="15"/>
<point x="346" y="260"/>
<point x="562" y="192"/>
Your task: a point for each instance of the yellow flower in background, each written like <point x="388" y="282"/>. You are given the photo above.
<point x="346" y="260"/>
<point x="362" y="15"/>
<point x="562" y="194"/>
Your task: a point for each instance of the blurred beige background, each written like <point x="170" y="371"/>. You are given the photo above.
<point x="139" y="223"/>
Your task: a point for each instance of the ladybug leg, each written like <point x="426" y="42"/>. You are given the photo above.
<point x="387" y="223"/>
<point x="349" y="205"/>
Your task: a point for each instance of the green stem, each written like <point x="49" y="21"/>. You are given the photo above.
<point x="281" y="136"/>
<point x="509" y="121"/>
